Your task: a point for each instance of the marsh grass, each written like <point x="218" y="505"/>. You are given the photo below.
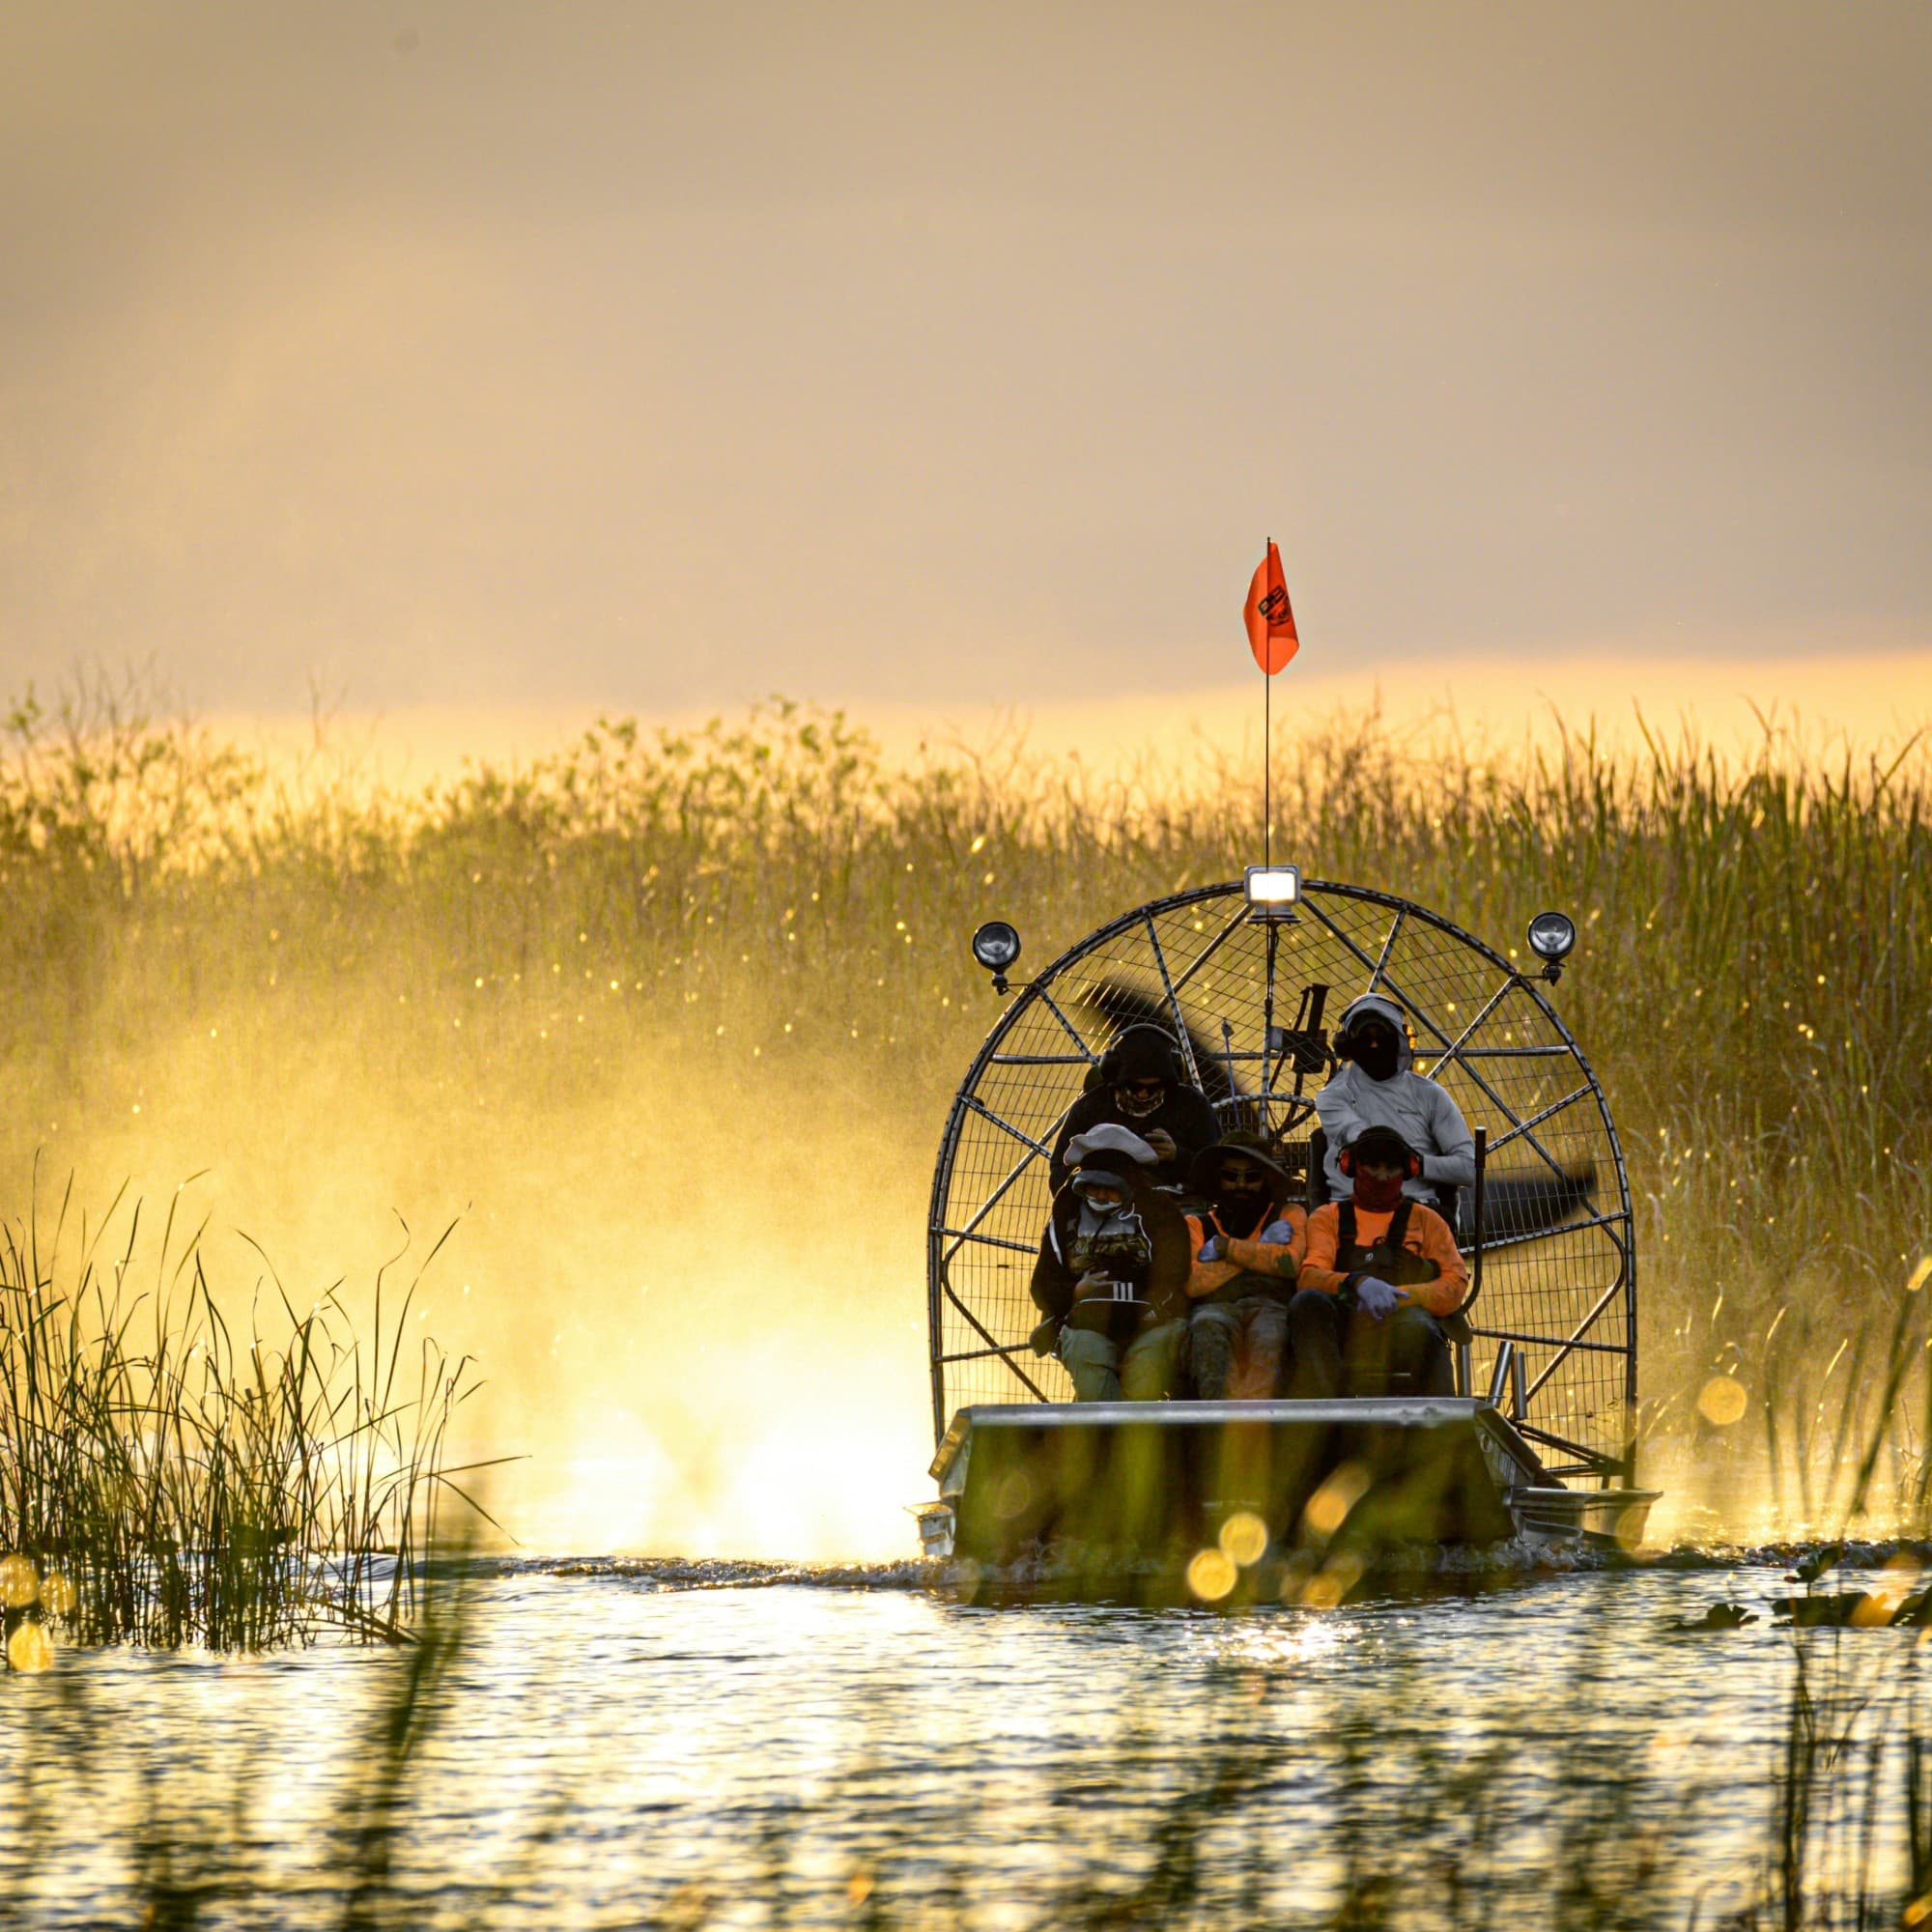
<point x="1823" y="1410"/>
<point x="186" y="1853"/>
<point x="1578" y="1819"/>
<point x="167" y="1480"/>
<point x="769" y="907"/>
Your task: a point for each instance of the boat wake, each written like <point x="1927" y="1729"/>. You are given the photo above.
<point x="721" y="1573"/>
<point x="1425" y="1567"/>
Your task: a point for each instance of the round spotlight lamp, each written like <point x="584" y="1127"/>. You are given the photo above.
<point x="1552" y="936"/>
<point x="996" y="945"/>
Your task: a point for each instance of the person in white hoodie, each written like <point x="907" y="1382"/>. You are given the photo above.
<point x="1377" y="1086"/>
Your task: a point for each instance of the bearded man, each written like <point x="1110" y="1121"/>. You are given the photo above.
<point x="1247" y="1249"/>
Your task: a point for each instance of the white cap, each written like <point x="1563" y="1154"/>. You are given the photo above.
<point x="1111" y="1139"/>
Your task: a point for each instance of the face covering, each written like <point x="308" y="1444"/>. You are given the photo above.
<point x="1377" y="1195"/>
<point x="1377" y="1054"/>
<point x="1088" y="1185"/>
<point x="1136" y="1108"/>
<point x="1241" y="1212"/>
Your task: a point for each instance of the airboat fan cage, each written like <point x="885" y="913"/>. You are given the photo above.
<point x="1559" y="1272"/>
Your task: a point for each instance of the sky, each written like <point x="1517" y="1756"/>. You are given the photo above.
<point x="653" y="358"/>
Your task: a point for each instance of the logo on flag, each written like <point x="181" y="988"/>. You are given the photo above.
<point x="1270" y="620"/>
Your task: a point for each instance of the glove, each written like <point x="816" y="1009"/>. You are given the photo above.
<point x="1212" y="1248"/>
<point x="1377" y="1298"/>
<point x="1278" y="1234"/>
<point x="1043" y="1337"/>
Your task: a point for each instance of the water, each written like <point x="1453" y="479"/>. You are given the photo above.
<point x="614" y="1753"/>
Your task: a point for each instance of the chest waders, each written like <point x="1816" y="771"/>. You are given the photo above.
<point x="1387" y="1259"/>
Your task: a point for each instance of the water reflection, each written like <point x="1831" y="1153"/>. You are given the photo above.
<point x="825" y="1751"/>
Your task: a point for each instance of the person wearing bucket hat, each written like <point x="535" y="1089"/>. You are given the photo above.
<point x="1246" y="1249"/>
<point x="1377" y="1086"/>
<point x="1378" y="1273"/>
<point x="1111" y="1276"/>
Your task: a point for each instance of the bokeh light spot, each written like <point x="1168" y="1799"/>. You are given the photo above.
<point x="1330" y="1586"/>
<point x="30" y="1649"/>
<point x="20" y="1582"/>
<point x="1722" y="1401"/>
<point x="1329" y="1506"/>
<point x="1244" y="1538"/>
<point x="1211" y="1575"/>
<point x="1014" y="1496"/>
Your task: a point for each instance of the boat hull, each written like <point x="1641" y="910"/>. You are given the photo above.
<point x="1158" y="1483"/>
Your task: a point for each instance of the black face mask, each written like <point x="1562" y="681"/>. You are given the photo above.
<point x="1377" y="1056"/>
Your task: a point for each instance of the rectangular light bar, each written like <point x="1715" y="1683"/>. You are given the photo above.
<point x="1272" y="890"/>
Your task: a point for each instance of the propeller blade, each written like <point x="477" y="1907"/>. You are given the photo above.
<point x="1119" y="1004"/>
<point x="1535" y="1200"/>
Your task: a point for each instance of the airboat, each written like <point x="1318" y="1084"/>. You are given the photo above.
<point x="1538" y="1442"/>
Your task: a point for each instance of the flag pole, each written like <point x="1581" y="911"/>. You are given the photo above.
<point x="1267" y="1124"/>
<point x="1268" y="760"/>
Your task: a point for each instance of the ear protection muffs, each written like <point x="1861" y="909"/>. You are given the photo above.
<point x="1346" y="1161"/>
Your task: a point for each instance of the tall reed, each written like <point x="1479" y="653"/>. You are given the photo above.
<point x="771" y="906"/>
<point x="165" y="1481"/>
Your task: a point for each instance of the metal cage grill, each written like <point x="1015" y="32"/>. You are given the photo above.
<point x="1559" y="1275"/>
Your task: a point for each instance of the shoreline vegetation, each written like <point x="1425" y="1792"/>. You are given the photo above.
<point x="770" y="908"/>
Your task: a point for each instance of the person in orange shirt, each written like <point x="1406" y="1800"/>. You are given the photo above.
<point x="1247" y="1246"/>
<point x="1378" y="1272"/>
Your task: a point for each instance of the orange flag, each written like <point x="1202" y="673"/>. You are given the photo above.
<point x="1271" y="621"/>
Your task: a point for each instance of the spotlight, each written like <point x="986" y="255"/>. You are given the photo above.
<point x="1552" y="936"/>
<point x="996" y="945"/>
<point x="1272" y="890"/>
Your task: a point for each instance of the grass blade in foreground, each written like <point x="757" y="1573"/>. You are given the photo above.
<point x="163" y="1483"/>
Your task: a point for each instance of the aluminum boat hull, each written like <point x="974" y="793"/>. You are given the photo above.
<point x="1159" y="1481"/>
